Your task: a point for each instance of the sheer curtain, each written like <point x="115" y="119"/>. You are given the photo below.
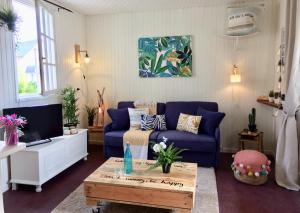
<point x="287" y="153"/>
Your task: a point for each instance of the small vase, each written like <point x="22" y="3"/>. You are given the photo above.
<point x="166" y="168"/>
<point x="11" y="135"/>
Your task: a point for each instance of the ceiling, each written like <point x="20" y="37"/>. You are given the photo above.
<point x="94" y="7"/>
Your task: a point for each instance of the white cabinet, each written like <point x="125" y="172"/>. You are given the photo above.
<point x="37" y="164"/>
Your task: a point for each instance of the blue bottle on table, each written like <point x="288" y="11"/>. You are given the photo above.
<point x="127" y="160"/>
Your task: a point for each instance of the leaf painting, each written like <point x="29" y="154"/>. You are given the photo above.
<point x="169" y="56"/>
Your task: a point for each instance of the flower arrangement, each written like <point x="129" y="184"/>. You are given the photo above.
<point x="165" y="155"/>
<point x="11" y="124"/>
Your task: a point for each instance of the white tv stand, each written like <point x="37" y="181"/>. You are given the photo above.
<point x="38" y="164"/>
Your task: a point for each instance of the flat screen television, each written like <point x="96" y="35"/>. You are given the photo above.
<point x="43" y="122"/>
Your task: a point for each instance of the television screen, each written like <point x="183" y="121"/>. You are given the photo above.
<point x="43" y="122"/>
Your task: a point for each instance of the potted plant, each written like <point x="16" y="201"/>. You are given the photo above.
<point x="252" y="117"/>
<point x="9" y="18"/>
<point x="271" y="96"/>
<point x="165" y="155"/>
<point x="91" y="112"/>
<point x="70" y="108"/>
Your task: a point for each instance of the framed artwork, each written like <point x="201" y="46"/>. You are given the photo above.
<point x="169" y="56"/>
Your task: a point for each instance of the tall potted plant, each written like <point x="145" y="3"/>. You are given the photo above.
<point x="9" y="19"/>
<point x="91" y="113"/>
<point x="252" y="118"/>
<point x="70" y="108"/>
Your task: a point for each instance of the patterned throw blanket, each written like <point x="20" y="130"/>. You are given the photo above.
<point x="139" y="139"/>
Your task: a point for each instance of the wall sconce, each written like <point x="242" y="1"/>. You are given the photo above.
<point x="77" y="54"/>
<point x="235" y="77"/>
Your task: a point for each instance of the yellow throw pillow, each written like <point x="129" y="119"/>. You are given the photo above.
<point x="188" y="123"/>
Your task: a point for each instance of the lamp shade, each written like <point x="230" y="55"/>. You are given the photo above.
<point x="87" y="59"/>
<point x="235" y="77"/>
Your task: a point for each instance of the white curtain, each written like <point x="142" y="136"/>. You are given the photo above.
<point x="287" y="153"/>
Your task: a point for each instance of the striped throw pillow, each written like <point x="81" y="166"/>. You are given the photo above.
<point x="155" y="122"/>
<point x="188" y="123"/>
<point x="135" y="116"/>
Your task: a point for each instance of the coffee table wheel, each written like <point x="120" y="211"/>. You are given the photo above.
<point x="183" y="211"/>
<point x="97" y="209"/>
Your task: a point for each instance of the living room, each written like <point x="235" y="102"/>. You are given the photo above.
<point x="214" y="82"/>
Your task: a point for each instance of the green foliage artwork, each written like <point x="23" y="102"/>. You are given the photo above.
<point x="169" y="56"/>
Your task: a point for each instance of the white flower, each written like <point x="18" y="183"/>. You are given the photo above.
<point x="165" y="139"/>
<point x="163" y="145"/>
<point x="156" y="148"/>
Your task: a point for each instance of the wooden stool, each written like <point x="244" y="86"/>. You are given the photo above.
<point x="95" y="135"/>
<point x="247" y="136"/>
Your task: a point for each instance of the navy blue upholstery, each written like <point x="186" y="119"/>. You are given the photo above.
<point x="202" y="148"/>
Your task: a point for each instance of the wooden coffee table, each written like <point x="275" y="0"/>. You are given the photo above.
<point x="153" y="188"/>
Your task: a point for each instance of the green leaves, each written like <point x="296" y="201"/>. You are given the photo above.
<point x="168" y="156"/>
<point x="8" y="17"/>
<point x="165" y="56"/>
<point x="69" y="102"/>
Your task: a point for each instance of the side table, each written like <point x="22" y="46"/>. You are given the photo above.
<point x="95" y="135"/>
<point x="250" y="137"/>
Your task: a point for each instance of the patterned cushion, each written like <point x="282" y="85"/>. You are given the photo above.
<point x="156" y="122"/>
<point x="135" y="116"/>
<point x="188" y="123"/>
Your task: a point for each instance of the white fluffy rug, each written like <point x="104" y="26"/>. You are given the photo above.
<point x="206" y="199"/>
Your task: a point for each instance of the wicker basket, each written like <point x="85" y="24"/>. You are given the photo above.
<point x="252" y="180"/>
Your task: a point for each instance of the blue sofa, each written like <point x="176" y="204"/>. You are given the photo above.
<point x="202" y="148"/>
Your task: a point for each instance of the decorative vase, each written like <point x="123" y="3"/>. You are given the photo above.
<point x="11" y="135"/>
<point x="166" y="168"/>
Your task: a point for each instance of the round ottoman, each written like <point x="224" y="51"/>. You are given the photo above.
<point x="251" y="167"/>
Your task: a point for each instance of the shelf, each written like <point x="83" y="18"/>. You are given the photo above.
<point x="271" y="104"/>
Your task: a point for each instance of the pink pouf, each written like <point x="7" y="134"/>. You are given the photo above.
<point x="251" y="167"/>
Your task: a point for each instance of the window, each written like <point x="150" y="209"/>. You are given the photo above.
<point x="35" y="49"/>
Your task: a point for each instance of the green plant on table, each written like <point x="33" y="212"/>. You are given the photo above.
<point x="70" y="108"/>
<point x="91" y="112"/>
<point x="165" y="155"/>
<point x="252" y="118"/>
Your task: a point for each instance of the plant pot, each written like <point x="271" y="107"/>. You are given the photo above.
<point x="277" y="101"/>
<point x="11" y="135"/>
<point x="271" y="99"/>
<point x="252" y="128"/>
<point x="166" y="168"/>
<point x="91" y="122"/>
<point x="70" y="125"/>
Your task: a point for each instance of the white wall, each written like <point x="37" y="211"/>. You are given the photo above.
<point x="70" y="29"/>
<point x="112" y="43"/>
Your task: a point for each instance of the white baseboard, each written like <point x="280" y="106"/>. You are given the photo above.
<point x="234" y="150"/>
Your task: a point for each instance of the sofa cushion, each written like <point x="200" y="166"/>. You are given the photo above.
<point x="173" y="109"/>
<point x="120" y="119"/>
<point x="210" y="121"/>
<point x="135" y="116"/>
<point x="115" y="138"/>
<point x="190" y="141"/>
<point x="161" y="107"/>
<point x="155" y="122"/>
<point x="188" y="123"/>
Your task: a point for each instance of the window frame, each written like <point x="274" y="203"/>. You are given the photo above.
<point x="43" y="93"/>
<point x="39" y="4"/>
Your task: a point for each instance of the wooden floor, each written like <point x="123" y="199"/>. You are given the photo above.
<point x="233" y="196"/>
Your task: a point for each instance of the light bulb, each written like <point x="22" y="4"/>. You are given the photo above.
<point x="87" y="59"/>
